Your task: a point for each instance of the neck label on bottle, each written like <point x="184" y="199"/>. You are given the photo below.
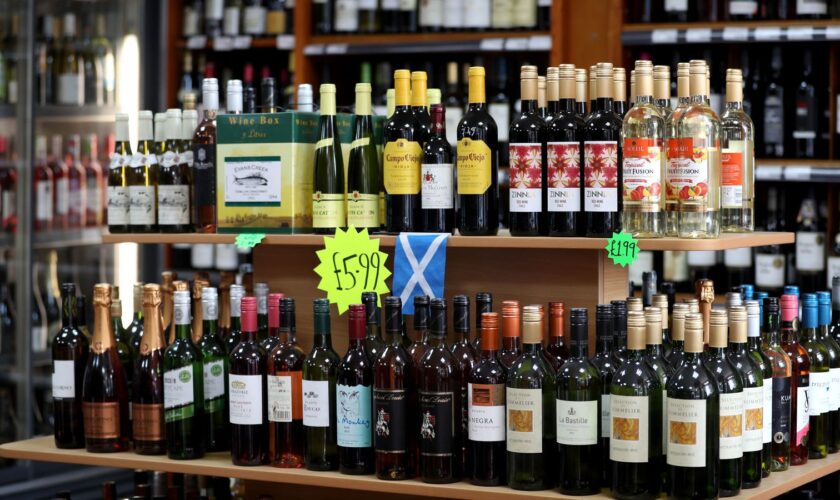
<point x="642" y="167"/>
<point x="178" y="395"/>
<point x="526" y="171"/>
<point x="525" y="420"/>
<point x="474" y="164"/>
<point x="316" y="403"/>
<point x="687" y="432"/>
<point x="391" y="410"/>
<point x="353" y="404"/>
<point x="214" y="386"/>
<point x="401" y="167"/>
<point x="64" y="379"/>
<point x="285" y="400"/>
<point x="486" y="410"/>
<point x="437" y="186"/>
<point x="577" y="422"/>
<point x="563" y="177"/>
<point x="601" y="176"/>
<point x="731" y="425"/>
<point x="781" y="410"/>
<point x="245" y="394"/>
<point x="629" y="428"/>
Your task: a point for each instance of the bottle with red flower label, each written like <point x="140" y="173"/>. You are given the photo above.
<point x="563" y="173"/>
<point x="602" y="158"/>
<point x="642" y="167"/>
<point x="527" y="158"/>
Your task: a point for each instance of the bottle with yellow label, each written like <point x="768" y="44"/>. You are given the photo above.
<point x="402" y="158"/>
<point x="477" y="164"/>
<point x="328" y="197"/>
<point x="363" y="170"/>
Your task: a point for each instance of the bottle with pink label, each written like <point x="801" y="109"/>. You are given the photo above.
<point x="564" y="167"/>
<point x="800" y="365"/>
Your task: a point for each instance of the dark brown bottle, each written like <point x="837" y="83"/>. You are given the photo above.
<point x="527" y="163"/>
<point x="69" y="353"/>
<point x="465" y="358"/>
<point x="285" y="396"/>
<point x="147" y="405"/>
<point x="511" y="336"/>
<point x="204" y="161"/>
<point x="483" y="304"/>
<point x="557" y="350"/>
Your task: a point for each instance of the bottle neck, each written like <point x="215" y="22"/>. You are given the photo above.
<point x="530" y="106"/>
<point x="604" y="104"/>
<point x="210" y="327"/>
<point x="644" y="99"/>
<point x="692" y="358"/>
<point x="738" y="347"/>
<point x="235" y="324"/>
<point x="579" y="350"/>
<point x="735" y="105"/>
<point x="717" y="352"/>
<point x="605" y="344"/>
<point x="322" y="331"/>
<point x="566" y="104"/>
<point x="68" y="310"/>
<point x="654" y="350"/>
<point x="532" y="348"/>
<point x="789" y="334"/>
<point x="437" y="340"/>
<point x="511" y="343"/>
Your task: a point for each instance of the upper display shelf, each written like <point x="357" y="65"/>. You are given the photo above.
<point x="730" y="32"/>
<point x="243" y="42"/>
<point x="516" y="41"/>
<point x="503" y="241"/>
<point x="89" y="113"/>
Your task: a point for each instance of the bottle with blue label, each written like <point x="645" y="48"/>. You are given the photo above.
<point x="353" y="401"/>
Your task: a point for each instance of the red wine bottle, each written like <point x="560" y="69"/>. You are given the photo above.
<point x="438" y="178"/>
<point x="69" y="352"/>
<point x="527" y="161"/>
<point x="563" y="170"/>
<point x="354" y="381"/>
<point x="402" y="158"/>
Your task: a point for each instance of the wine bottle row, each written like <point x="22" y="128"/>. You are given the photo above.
<point x="685" y="399"/>
<point x="680" y="11"/>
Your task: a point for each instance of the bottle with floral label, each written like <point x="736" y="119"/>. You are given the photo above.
<point x="563" y="175"/>
<point x="527" y="160"/>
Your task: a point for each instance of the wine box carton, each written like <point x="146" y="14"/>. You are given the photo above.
<point x="264" y="172"/>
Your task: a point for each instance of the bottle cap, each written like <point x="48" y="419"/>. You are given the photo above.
<point x="356" y="317"/>
<point x="579" y="321"/>
<point x="393" y="314"/>
<point x="490" y="331"/>
<point x="438" y="319"/>
<point x="461" y="313"/>
<point x="635" y="330"/>
<point x="321" y="306"/>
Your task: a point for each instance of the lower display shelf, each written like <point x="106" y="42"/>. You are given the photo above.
<point x="218" y="464"/>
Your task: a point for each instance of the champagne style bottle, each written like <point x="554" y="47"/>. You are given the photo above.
<point x="563" y="176"/>
<point x="780" y="362"/>
<point x="354" y="401"/>
<point x="118" y="197"/>
<point x="328" y="196"/>
<point x="511" y="336"/>
<point x="833" y="349"/>
<point x="235" y="333"/>
<point x="762" y="361"/>
<point x="363" y="172"/>
<point x="104" y="388"/>
<point x="556" y="348"/>
<point x="149" y="421"/>
<point x="373" y="339"/>
<point x="477" y="164"/>
<point x="800" y="365"/>
<point x="141" y="174"/>
<point x="402" y="158"/>
<point x="319" y="388"/>
<point x="285" y="394"/>
<point x="215" y="373"/>
<point x="579" y="414"/>
<point x="819" y="379"/>
<point x="607" y="366"/>
<point x="486" y="409"/>
<point x="465" y="358"/>
<point x="438" y="179"/>
<point x="204" y="160"/>
<point x="69" y="357"/>
<point x="483" y="304"/>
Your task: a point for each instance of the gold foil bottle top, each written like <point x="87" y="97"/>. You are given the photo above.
<point x="151" y="295"/>
<point x="528" y="71"/>
<point x="102" y="295"/>
<point x="636" y="330"/>
<point x="660" y="300"/>
<point x="718" y="324"/>
<point x="643" y="66"/>
<point x="653" y="325"/>
<point x="634" y="304"/>
<point x="115" y="292"/>
<point x="198" y="285"/>
<point x="180" y="286"/>
<point x="738" y="324"/>
<point x="152" y="336"/>
<point x="168" y="277"/>
<point x="138" y="296"/>
<point x="693" y="333"/>
<point x="116" y="307"/>
<point x="532" y="324"/>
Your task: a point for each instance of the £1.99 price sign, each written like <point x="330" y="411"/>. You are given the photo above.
<point x="622" y="248"/>
<point x="350" y="264"/>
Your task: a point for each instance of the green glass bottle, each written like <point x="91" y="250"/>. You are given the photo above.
<point x="635" y="416"/>
<point x="819" y="379"/>
<point x="328" y="197"/>
<point x="579" y="414"/>
<point x="531" y="404"/>
<point x="135" y="329"/>
<point x="235" y="333"/>
<point x="319" y="376"/>
<point x="183" y="387"/>
<point x="363" y="169"/>
<point x="763" y="363"/>
<point x="215" y="363"/>
<point x="655" y="357"/>
<point x="824" y="301"/>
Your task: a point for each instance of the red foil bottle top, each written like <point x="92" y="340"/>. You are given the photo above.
<point x="790" y="307"/>
<point x="556" y="319"/>
<point x="357" y="319"/>
<point x="274" y="309"/>
<point x="249" y="314"/>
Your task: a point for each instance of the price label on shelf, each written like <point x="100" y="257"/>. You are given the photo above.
<point x="242" y="42"/>
<point x="285" y="42"/>
<point x="336" y="48"/>
<point x="768" y="34"/>
<point x="698" y="35"/>
<point x="622" y="248"/>
<point x="516" y="44"/>
<point x="800" y="33"/>
<point x="350" y="264"/>
<point x="664" y="36"/>
<point x="196" y="42"/>
<point x="249" y="240"/>
<point x="492" y="44"/>
<point x="832" y="33"/>
<point x="222" y="43"/>
<point x="735" y="34"/>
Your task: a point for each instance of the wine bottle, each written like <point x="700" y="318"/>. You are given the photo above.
<point x="135" y="328"/>
<point x="465" y="358"/>
<point x="261" y="293"/>
<point x="556" y="348"/>
<point x="328" y="196"/>
<point x="173" y="183"/>
<point x="655" y="357"/>
<point x="483" y="304"/>
<point x="322" y="17"/>
<point x="486" y="409"/>
<point x="530" y="396"/>
<point x="148" y="417"/>
<point x="675" y="151"/>
<point x="693" y="422"/>
<point x="833" y="349"/>
<point x="437" y="178"/>
<point x="579" y="387"/>
<point x="737" y="160"/>
<point x="319" y="388"/>
<point x="392" y="380"/>
<point x="104" y="391"/>
<point x="247" y="390"/>
<point x="774" y="109"/>
<point x="819" y="379"/>
<point x="402" y="158"/>
<point x="69" y="357"/>
<point x="204" y="160"/>
<point x="660" y="300"/>
<point x="363" y="172"/>
<point x="215" y="374"/>
<point x="781" y="366"/>
<point x="580" y="92"/>
<point x="619" y="82"/>
<point x="606" y="365"/>
<point x="800" y="365"/>
<point x="118" y="197"/>
<point x="810" y="244"/>
<point x="477" y="164"/>
<point x="765" y="371"/>
<point x="511" y="337"/>
<point x="355" y="403"/>
<point x="602" y="175"/>
<point x="731" y="389"/>
<point x="369" y="16"/>
<point x="373" y="343"/>
<point x="527" y="151"/>
<point x="698" y="131"/>
<point x="141" y="174"/>
<point x="563" y="175"/>
<point x="636" y="419"/>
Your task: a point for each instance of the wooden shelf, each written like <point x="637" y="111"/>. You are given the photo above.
<point x="218" y="464"/>
<point x="242" y="42"/>
<point x="403" y="43"/>
<point x="504" y="240"/>
<point x="57" y="239"/>
<point x="804" y="170"/>
<point x="793" y="23"/>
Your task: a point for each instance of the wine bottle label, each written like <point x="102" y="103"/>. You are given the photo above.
<point x="502" y="16"/>
<point x="743" y="7"/>
<point x="347" y="15"/>
<point x="486" y="408"/>
<point x="230" y="25"/>
<point x="525" y="14"/>
<point x="253" y="20"/>
<point x="752" y="439"/>
<point x="362" y="210"/>
<point x="526" y="170"/>
<point x="214" y="9"/>
<point x="142" y="205"/>
<point x="834" y="392"/>
<point x="173" y="204"/>
<point x="676" y="5"/>
<point x="600" y="176"/>
<point x="245" y="395"/>
<point x="738" y="258"/>
<point x="818" y="396"/>
<point x="402" y="167"/>
<point x="437" y="186"/>
<point x="832" y="269"/>
<point x="94" y="197"/>
<point x="44" y="201"/>
<point x="214" y="386"/>
<point x="169" y="159"/>
<point x="408" y="5"/>
<point x="454" y="18"/>
<point x="477" y="16"/>
<point x="767" y="411"/>
<point x="328" y="210"/>
<point x="500" y="111"/>
<point x="354" y="416"/>
<point x="687" y="432"/>
<point x="802" y="410"/>
<point x="605" y="415"/>
<point x="391" y="409"/>
<point x="285" y="400"/>
<point x="629" y="428"/>
<point x="178" y="395"/>
<point x="118" y="204"/>
<point x="810" y="251"/>
<point x="9" y="206"/>
<point x="781" y="409"/>
<point x="642" y="167"/>
<point x="731" y="425"/>
<point x="70" y="89"/>
<point x="390" y="4"/>
<point x="64" y="379"/>
<point x="147" y="423"/>
<point x="525" y="420"/>
<point x="474" y="164"/>
<point x="101" y="420"/>
<point x="563" y="177"/>
<point x="368" y="5"/>
<point x="186" y="157"/>
<point x="577" y="422"/>
<point x="687" y="176"/>
<point x="316" y="403"/>
<point x="769" y="270"/>
<point x="275" y="23"/>
<point x="431" y="13"/>
<point x="774" y="116"/>
<point x="204" y="174"/>
<point x="62" y="196"/>
<point x="437" y="423"/>
<point x="811" y="7"/>
<point x="732" y="167"/>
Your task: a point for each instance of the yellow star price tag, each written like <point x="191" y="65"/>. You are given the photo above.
<point x="350" y="264"/>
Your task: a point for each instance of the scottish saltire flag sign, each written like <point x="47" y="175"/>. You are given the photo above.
<point x="419" y="267"/>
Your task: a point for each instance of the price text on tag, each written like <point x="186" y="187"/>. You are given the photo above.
<point x="622" y="248"/>
<point x="350" y="264"/>
<point x="249" y="240"/>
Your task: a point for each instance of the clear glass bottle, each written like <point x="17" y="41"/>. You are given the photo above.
<point x="662" y="90"/>
<point x="737" y="161"/>
<point x="671" y="151"/>
<point x="698" y="166"/>
<point x="642" y="164"/>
